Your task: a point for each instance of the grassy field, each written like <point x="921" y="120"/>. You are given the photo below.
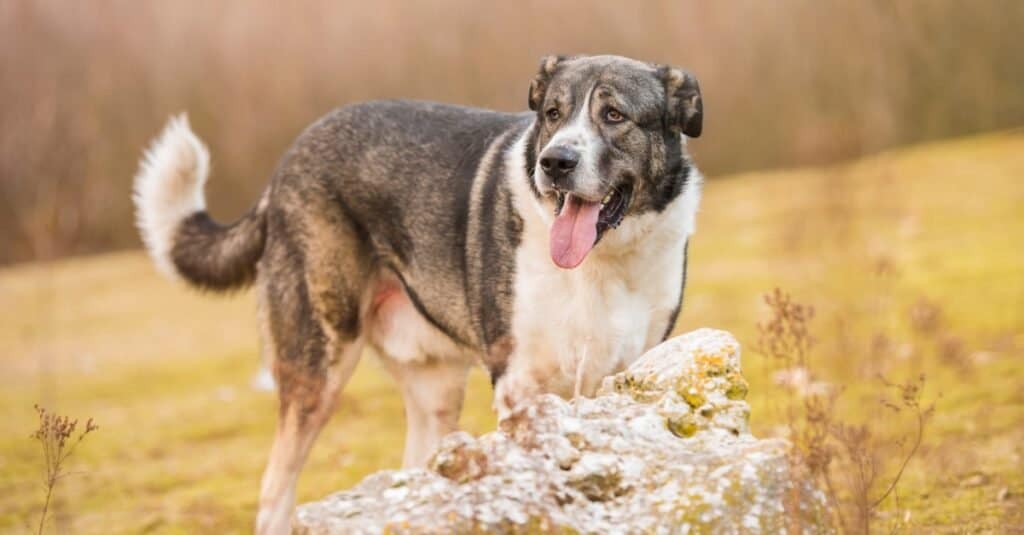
<point x="936" y="230"/>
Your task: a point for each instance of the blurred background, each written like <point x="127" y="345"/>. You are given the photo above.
<point x="85" y="85"/>
<point x="866" y="157"/>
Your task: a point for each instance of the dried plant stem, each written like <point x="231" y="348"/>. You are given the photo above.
<point x="906" y="460"/>
<point x="53" y="434"/>
<point x="46" y="507"/>
<point x="848" y="460"/>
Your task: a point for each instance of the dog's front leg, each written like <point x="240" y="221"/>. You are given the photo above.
<point x="515" y="387"/>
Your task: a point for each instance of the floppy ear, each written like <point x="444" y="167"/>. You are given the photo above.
<point x="539" y="86"/>
<point x="684" y="106"/>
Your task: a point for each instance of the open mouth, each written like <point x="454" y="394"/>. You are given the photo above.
<point x="580" y="224"/>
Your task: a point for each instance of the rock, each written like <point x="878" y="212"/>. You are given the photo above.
<point x="664" y="448"/>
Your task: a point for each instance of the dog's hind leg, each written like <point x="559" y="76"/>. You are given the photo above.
<point x="311" y="285"/>
<point x="312" y="365"/>
<point x="308" y="398"/>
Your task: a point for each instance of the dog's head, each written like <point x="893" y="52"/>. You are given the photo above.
<point x="607" y="144"/>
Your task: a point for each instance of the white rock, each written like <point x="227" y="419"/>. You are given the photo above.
<point x="664" y="448"/>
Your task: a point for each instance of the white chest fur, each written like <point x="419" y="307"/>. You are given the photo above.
<point x="580" y="325"/>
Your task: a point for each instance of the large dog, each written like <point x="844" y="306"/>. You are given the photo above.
<point x="549" y="245"/>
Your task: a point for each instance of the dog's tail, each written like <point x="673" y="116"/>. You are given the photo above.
<point x="170" y="211"/>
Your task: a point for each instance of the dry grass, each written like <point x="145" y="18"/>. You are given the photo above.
<point x="858" y="464"/>
<point x="56" y="436"/>
<point x="911" y="259"/>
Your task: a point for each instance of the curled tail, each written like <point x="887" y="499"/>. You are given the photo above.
<point x="171" y="215"/>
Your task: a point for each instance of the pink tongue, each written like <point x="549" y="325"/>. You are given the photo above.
<point x="574" y="231"/>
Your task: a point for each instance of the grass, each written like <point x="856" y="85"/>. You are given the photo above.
<point x="165" y="372"/>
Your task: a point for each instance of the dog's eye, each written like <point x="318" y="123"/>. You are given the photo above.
<point x="553" y="114"/>
<point x="613" y="115"/>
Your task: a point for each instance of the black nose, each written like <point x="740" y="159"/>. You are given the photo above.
<point x="559" y="162"/>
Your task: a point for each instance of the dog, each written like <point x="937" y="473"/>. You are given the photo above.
<point x="550" y="246"/>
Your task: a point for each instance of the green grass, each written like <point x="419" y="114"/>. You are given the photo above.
<point x="182" y="439"/>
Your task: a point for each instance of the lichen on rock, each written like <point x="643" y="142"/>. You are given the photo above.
<point x="664" y="447"/>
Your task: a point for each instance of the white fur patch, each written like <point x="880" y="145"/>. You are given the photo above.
<point x="611" y="308"/>
<point x="580" y="134"/>
<point x="169" y="187"/>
